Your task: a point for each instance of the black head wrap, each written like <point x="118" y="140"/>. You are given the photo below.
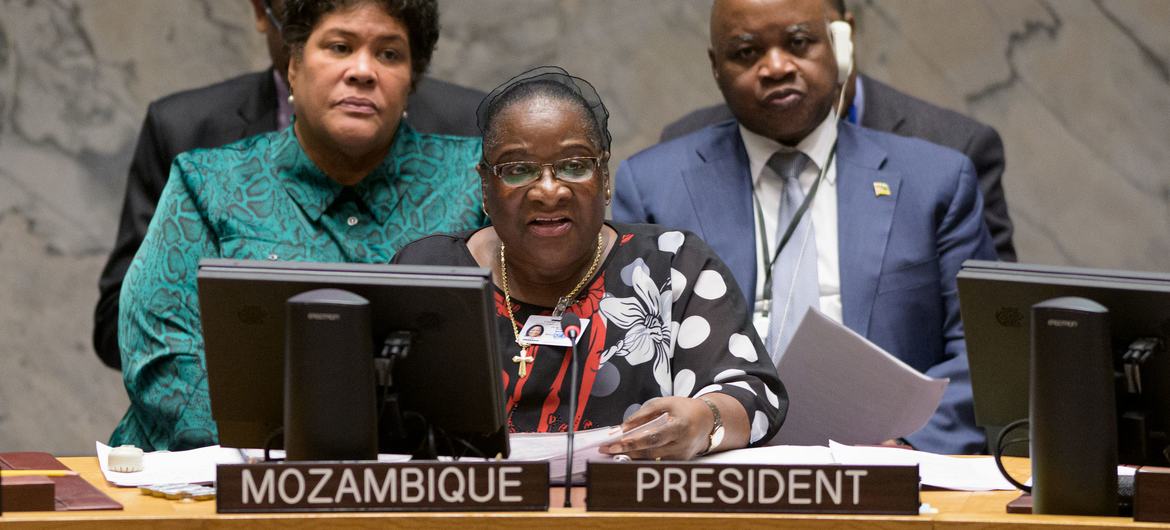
<point x="552" y="81"/>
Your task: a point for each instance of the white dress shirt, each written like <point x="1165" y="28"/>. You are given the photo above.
<point x="768" y="191"/>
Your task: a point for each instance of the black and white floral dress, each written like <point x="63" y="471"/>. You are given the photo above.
<point x="666" y="319"/>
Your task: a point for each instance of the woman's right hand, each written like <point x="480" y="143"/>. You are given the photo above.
<point x="685" y="434"/>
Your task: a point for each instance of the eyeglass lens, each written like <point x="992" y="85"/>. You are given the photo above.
<point x="568" y="170"/>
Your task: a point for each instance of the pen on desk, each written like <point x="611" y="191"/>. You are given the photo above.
<point x="37" y="473"/>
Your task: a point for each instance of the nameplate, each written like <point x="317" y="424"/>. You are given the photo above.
<point x="375" y="486"/>
<point x="694" y="487"/>
<point x="1151" y="495"/>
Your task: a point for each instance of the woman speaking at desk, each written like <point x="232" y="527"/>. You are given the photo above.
<point x="667" y="329"/>
<point x="349" y="181"/>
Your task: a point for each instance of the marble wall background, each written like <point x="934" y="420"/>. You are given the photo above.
<point x="1079" y="90"/>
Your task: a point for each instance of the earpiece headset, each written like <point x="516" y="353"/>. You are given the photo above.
<point x="841" y="40"/>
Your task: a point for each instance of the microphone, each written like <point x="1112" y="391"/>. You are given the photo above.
<point x="571" y="325"/>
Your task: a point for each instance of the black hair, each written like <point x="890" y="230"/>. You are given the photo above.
<point x="421" y="18"/>
<point x="546" y="82"/>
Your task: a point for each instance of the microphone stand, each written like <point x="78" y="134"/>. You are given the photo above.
<point x="571" y="324"/>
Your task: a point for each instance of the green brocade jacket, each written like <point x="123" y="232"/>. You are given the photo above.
<point x="262" y="198"/>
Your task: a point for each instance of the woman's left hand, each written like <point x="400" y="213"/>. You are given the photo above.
<point x="686" y="433"/>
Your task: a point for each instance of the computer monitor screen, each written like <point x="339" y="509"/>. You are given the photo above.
<point x="451" y="375"/>
<point x="996" y="300"/>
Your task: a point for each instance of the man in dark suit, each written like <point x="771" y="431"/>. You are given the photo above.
<point x="878" y="248"/>
<point x="875" y="105"/>
<point x="220" y="114"/>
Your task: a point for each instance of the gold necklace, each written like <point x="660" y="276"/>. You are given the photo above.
<point x="562" y="303"/>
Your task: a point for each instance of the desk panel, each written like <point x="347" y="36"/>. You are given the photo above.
<point x="958" y="510"/>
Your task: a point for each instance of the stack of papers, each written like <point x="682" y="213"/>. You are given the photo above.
<point x="947" y="472"/>
<point x="977" y="473"/>
<point x="551" y="447"/>
<point x="782" y="455"/>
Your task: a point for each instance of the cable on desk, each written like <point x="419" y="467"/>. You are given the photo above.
<point x="1001" y="443"/>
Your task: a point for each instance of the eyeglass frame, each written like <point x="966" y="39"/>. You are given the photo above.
<point x="597" y="162"/>
<point x="272" y="18"/>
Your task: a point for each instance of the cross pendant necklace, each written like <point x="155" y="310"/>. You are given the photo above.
<point x="523" y="359"/>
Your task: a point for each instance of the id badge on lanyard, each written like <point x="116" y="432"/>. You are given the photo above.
<point x="546" y="331"/>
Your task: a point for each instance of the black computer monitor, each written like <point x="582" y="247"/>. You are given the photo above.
<point x="996" y="300"/>
<point x="451" y="375"/>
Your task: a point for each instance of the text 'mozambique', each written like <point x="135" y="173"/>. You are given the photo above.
<point x="374" y="486"/>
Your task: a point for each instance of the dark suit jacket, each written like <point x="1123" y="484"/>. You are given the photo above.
<point x="899" y="254"/>
<point x="887" y="109"/>
<point x="218" y="115"/>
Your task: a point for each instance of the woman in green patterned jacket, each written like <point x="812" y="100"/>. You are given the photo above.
<point x="349" y="181"/>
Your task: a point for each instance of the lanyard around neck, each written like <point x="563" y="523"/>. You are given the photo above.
<point x="804" y="205"/>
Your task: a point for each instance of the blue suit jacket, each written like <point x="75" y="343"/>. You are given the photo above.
<point x="899" y="254"/>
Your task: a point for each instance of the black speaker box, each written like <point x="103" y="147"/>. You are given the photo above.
<point x="1073" y="416"/>
<point x="329" y="394"/>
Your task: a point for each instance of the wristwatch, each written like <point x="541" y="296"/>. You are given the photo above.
<point x="716" y="436"/>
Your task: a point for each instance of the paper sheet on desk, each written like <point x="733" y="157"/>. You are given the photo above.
<point x="198" y="465"/>
<point x="257" y="455"/>
<point x="843" y="387"/>
<point x="977" y="473"/>
<point x="551" y="447"/>
<point x="165" y="467"/>
<point x="779" y="455"/>
<point x="189" y="467"/>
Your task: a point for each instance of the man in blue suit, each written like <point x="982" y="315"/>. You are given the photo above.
<point x="882" y="238"/>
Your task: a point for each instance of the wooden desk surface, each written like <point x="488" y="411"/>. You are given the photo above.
<point x="965" y="510"/>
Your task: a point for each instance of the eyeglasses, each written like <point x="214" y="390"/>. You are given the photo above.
<point x="574" y="169"/>
<point x="272" y="18"/>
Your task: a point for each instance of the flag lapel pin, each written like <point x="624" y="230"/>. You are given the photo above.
<point x="880" y="189"/>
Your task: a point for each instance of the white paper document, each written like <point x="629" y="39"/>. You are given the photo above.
<point x="190" y="467"/>
<point x="198" y="465"/>
<point x="776" y="455"/>
<point x="165" y="467"/>
<point x="843" y="387"/>
<point x="551" y="447"/>
<point x="977" y="473"/>
<point x="252" y="456"/>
